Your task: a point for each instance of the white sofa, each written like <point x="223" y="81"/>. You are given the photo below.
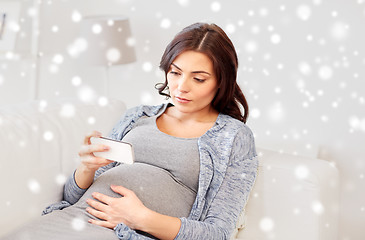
<point x="294" y="198"/>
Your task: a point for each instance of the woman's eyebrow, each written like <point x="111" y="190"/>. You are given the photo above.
<point x="192" y="72"/>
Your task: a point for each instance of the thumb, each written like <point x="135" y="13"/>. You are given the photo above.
<point x="120" y="189"/>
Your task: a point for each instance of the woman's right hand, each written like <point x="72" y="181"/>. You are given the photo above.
<point x="84" y="175"/>
<point x="88" y="160"/>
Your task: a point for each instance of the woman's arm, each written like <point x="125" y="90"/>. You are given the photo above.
<point x="84" y="175"/>
<point x="224" y="210"/>
<point x="221" y="210"/>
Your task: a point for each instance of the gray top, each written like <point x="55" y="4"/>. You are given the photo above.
<point x="178" y="156"/>
<point x="164" y="164"/>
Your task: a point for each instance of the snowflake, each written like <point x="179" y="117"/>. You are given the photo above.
<point x="61" y="179"/>
<point x="251" y="46"/>
<point x="183" y="3"/>
<point x="32" y="12"/>
<point x="255" y="113"/>
<point x="76" y="81"/>
<point x="78" y="224"/>
<point x="53" y="68"/>
<point x="317" y="207"/>
<point x="255" y="29"/>
<point x="113" y="55"/>
<point x="103" y="101"/>
<point x="301" y="172"/>
<point x="215" y="6"/>
<point x="67" y="110"/>
<point x="86" y="94"/>
<point x="263" y="12"/>
<point x="275" y="38"/>
<point x="91" y="120"/>
<point x="276" y="112"/>
<point x="230" y="28"/>
<point x="58" y="59"/>
<point x="146" y="98"/>
<point x="131" y="41"/>
<point x="55" y="29"/>
<point x="48" y="136"/>
<point x="147" y="66"/>
<point x="165" y="23"/>
<point x="96" y="28"/>
<point x="296" y="211"/>
<point x="304" y="12"/>
<point x="325" y="72"/>
<point x="34" y="186"/>
<point x="339" y="30"/>
<point x="266" y="224"/>
<point x="305" y="68"/>
<point x="78" y="46"/>
<point x="76" y="16"/>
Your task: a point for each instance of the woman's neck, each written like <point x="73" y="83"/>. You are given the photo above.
<point x="203" y="116"/>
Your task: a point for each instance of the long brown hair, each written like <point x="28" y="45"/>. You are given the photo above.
<point x="212" y="41"/>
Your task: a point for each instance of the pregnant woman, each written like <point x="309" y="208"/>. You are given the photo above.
<point x="195" y="159"/>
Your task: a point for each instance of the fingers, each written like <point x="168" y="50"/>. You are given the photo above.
<point x="93" y="162"/>
<point x="96" y="213"/>
<point x="92" y="134"/>
<point x="100" y="210"/>
<point x="102" y="198"/>
<point x="89" y="149"/>
<point x="99" y="206"/>
<point x="102" y="223"/>
<point x="121" y="190"/>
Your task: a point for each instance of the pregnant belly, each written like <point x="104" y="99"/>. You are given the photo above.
<point x="155" y="187"/>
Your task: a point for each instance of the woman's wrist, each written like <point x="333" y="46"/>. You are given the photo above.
<point x="84" y="176"/>
<point x="158" y="225"/>
<point x="142" y="220"/>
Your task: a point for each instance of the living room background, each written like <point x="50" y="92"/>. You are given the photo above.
<point x="301" y="66"/>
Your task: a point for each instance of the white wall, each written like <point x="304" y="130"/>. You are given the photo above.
<point x="301" y="67"/>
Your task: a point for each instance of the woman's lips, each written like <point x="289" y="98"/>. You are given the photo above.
<point x="182" y="100"/>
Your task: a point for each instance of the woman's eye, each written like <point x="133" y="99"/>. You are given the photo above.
<point x="174" y="73"/>
<point x="199" y="80"/>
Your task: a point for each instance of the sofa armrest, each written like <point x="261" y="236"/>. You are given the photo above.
<point x="293" y="198"/>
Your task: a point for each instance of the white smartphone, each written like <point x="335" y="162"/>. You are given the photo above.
<point x="119" y="151"/>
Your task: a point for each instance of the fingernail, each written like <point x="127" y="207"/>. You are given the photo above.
<point x="90" y="221"/>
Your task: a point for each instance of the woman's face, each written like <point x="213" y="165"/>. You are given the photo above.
<point x="192" y="82"/>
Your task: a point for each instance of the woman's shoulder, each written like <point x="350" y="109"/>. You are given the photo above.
<point x="240" y="135"/>
<point x="230" y="124"/>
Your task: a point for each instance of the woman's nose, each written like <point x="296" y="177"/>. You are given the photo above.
<point x="183" y="85"/>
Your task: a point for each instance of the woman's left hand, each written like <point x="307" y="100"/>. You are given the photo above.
<point x="127" y="209"/>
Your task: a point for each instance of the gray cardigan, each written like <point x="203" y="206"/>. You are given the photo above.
<point x="228" y="169"/>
